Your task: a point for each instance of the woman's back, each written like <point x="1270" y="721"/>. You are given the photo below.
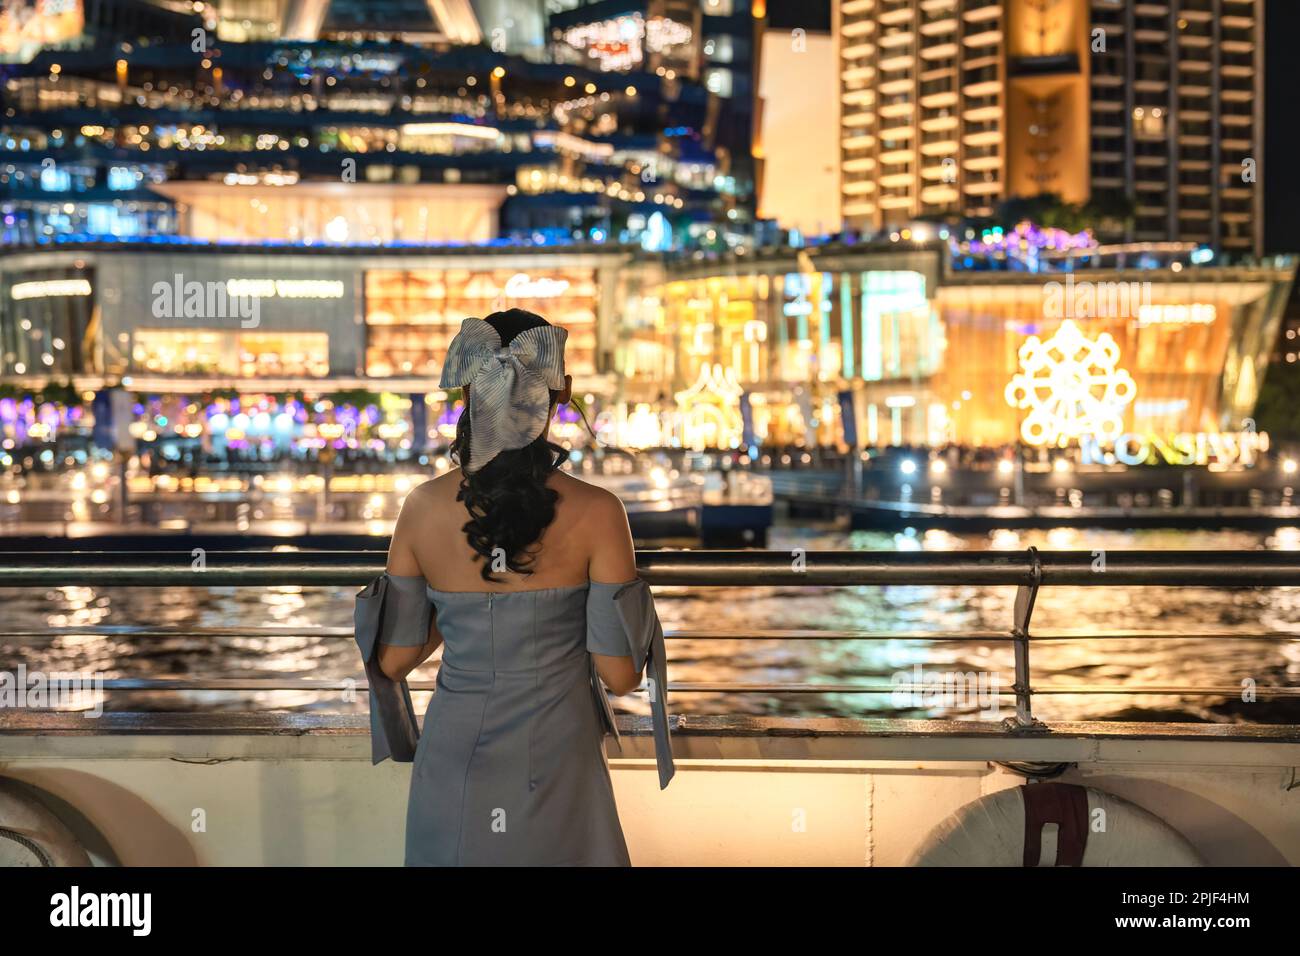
<point x="510" y="768"/>
<point x="588" y="539"/>
<point x="527" y="579"/>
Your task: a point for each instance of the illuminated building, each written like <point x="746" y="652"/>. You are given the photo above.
<point x="912" y="349"/>
<point x="309" y="206"/>
<point x="266" y="314"/>
<point x="950" y="107"/>
<point x="308" y="345"/>
<point x="709" y="42"/>
<point x="344" y="133"/>
<point x="861" y="345"/>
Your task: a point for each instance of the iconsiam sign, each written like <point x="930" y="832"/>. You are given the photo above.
<point x="1076" y="392"/>
<point x="1219" y="449"/>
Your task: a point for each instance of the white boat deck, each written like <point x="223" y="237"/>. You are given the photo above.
<point x="285" y="789"/>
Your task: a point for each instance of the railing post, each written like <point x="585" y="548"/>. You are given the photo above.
<point x="1026" y="595"/>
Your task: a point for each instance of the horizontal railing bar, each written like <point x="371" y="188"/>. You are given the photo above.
<point x="131" y="684"/>
<point x="1053" y="635"/>
<point x="810" y="634"/>
<point x="740" y="687"/>
<point x="1074" y="568"/>
<point x="1216" y="569"/>
<point x="128" y="630"/>
<point x="338" y="633"/>
<point x="695" y="687"/>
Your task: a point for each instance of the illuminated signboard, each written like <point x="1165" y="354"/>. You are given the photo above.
<point x="523" y="286"/>
<point x="286" y="288"/>
<point x="1198" y="313"/>
<point x="710" y="409"/>
<point x="621" y="43"/>
<point x="1072" y="386"/>
<point x="1183" y="448"/>
<point x="51" y="289"/>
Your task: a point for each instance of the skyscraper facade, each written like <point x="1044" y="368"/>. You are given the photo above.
<point x="1151" y="112"/>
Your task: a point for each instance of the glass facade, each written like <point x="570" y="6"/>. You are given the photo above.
<point x="411" y="315"/>
<point x="1183" y="343"/>
<point x="922" y="359"/>
<point x="212" y="351"/>
<point x="48" y="319"/>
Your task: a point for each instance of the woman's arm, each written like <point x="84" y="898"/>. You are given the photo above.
<point x="612" y="561"/>
<point x="397" y="661"/>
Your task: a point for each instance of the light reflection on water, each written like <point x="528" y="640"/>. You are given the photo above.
<point x="1176" y="660"/>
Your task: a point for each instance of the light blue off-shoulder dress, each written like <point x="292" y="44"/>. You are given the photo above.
<point x="510" y="768"/>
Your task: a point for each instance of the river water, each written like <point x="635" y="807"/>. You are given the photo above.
<point x="1178" y="659"/>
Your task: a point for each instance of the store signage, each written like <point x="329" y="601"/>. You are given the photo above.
<point x="50" y="289"/>
<point x="286" y="288"/>
<point x="1198" y="313"/>
<point x="523" y="286"/>
<point x="1183" y="448"/>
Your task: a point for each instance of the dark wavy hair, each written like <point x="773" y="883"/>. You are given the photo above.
<point x="507" y="499"/>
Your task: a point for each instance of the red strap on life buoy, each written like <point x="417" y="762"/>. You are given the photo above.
<point x="1064" y="804"/>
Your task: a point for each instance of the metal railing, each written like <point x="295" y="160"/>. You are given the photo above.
<point x="1028" y="571"/>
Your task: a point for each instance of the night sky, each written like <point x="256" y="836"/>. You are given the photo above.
<point x="1281" y="127"/>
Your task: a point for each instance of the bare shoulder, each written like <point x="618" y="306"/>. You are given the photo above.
<point x="602" y="525"/>
<point x="439" y="488"/>
<point x="599" y="521"/>
<point x="431" y="498"/>
<point x="591" y="499"/>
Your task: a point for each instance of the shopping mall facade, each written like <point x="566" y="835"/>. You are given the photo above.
<point x="850" y="346"/>
<point x="881" y="346"/>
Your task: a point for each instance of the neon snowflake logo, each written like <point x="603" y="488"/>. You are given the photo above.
<point x="1072" y="387"/>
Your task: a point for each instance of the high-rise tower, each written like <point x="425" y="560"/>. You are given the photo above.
<point x="1152" y="110"/>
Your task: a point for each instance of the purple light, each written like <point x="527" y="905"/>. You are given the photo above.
<point x="1027" y="239"/>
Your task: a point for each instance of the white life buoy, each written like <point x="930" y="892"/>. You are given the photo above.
<point x="31" y="835"/>
<point x="1054" y="824"/>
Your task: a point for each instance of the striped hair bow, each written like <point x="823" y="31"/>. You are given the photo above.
<point x="509" y="398"/>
